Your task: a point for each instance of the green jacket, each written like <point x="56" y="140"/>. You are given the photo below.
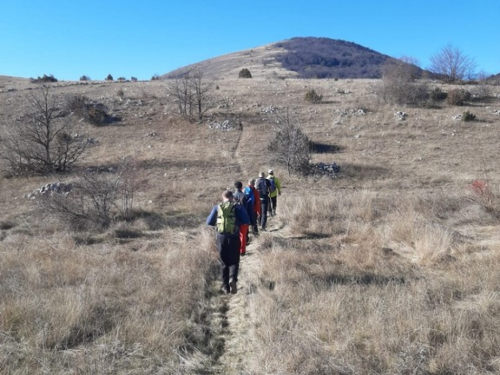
<point x="278" y="186"/>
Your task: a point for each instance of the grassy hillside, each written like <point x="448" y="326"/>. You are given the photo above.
<point x="297" y="57"/>
<point x="389" y="268"/>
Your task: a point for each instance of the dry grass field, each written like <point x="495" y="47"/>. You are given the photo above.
<point x="391" y="268"/>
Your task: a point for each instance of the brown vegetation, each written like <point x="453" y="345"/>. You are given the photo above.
<point x="389" y="268"/>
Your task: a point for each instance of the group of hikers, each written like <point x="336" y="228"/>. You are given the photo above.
<point x="240" y="210"/>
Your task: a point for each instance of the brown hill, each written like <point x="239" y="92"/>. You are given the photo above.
<point x="297" y="57"/>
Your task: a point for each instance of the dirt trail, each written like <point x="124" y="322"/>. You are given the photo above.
<point x="232" y="322"/>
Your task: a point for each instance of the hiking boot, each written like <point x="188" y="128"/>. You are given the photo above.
<point x="232" y="285"/>
<point x="225" y="289"/>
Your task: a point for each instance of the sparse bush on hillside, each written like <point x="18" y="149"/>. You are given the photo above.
<point x="483" y="194"/>
<point x="109" y="77"/>
<point x="45" y="79"/>
<point x="155" y="77"/>
<point x="84" y="78"/>
<point x="96" y="199"/>
<point x="399" y="85"/>
<point x="458" y="97"/>
<point x="290" y="146"/>
<point x="44" y="141"/>
<point x="438" y="95"/>
<point x="94" y="113"/>
<point x="452" y="64"/>
<point x="313" y="97"/>
<point x="192" y="95"/>
<point x="468" y="116"/>
<point x="245" y="73"/>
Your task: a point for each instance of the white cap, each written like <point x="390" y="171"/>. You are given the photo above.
<point x="270" y="171"/>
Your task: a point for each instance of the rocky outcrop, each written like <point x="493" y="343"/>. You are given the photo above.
<point x="49" y="189"/>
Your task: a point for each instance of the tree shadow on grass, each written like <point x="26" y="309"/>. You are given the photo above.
<point x="173" y="219"/>
<point x="363" y="279"/>
<point x="365" y="172"/>
<point x="323" y="148"/>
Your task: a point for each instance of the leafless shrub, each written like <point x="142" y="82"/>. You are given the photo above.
<point x="290" y="146"/>
<point x="452" y="64"/>
<point x="191" y="93"/>
<point x="45" y="139"/>
<point x="458" y="97"/>
<point x="399" y="84"/>
<point x="94" y="113"/>
<point x="97" y="199"/>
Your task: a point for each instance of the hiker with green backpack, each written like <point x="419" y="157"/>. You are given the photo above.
<point x="227" y="218"/>
<point x="274" y="191"/>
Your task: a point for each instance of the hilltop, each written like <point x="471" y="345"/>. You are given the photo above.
<point x="300" y="57"/>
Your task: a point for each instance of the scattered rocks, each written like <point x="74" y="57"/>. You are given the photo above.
<point x="497" y="112"/>
<point x="401" y="116"/>
<point x="270" y="109"/>
<point x="322" y="169"/>
<point x="91" y="141"/>
<point x="49" y="189"/>
<point x="226" y="125"/>
<point x="457" y="117"/>
<point x="350" y="112"/>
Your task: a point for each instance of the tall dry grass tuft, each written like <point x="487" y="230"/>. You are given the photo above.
<point x="381" y="290"/>
<point x="102" y="308"/>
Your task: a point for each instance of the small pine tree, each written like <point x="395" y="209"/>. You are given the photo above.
<point x="468" y="116"/>
<point x="245" y="73"/>
<point x="109" y="77"/>
<point x="313" y="97"/>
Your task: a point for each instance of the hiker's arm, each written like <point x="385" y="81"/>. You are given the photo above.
<point x="212" y="218"/>
<point x="242" y="216"/>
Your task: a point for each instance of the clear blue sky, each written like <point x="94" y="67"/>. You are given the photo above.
<point x="70" y="38"/>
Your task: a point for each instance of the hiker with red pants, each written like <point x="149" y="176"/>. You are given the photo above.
<point x="227" y="217"/>
<point x="254" y="197"/>
<point x="242" y="199"/>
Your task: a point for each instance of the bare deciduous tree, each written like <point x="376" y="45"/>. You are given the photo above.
<point x="452" y="64"/>
<point x="192" y="94"/>
<point x="44" y="141"/>
<point x="96" y="198"/>
<point x="399" y="83"/>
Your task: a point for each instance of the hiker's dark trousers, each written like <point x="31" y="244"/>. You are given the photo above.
<point x="264" y="204"/>
<point x="272" y="205"/>
<point x="229" y="251"/>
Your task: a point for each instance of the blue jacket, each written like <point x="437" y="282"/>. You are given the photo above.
<point x="240" y="213"/>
